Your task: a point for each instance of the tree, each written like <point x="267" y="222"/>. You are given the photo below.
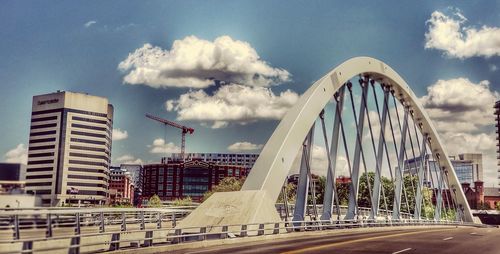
<point x="291" y="193"/>
<point x="225" y="185"/>
<point x="155" y="201"/>
<point x="183" y="202"/>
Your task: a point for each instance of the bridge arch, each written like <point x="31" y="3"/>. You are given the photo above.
<point x="276" y="158"/>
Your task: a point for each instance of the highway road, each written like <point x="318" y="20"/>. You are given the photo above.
<point x="423" y="240"/>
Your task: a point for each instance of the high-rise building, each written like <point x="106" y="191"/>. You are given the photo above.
<point x="497" y="125"/>
<point x="69" y="148"/>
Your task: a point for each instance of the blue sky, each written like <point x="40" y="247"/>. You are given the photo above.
<point x="78" y="46"/>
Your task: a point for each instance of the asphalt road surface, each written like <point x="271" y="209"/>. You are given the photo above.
<point x="424" y="240"/>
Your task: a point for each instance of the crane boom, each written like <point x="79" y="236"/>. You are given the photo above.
<point x="184" y="129"/>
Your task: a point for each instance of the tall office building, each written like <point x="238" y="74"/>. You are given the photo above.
<point x="468" y="168"/>
<point x="69" y="148"/>
<point x="497" y="125"/>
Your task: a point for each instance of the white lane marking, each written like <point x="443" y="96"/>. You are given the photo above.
<point x="400" y="251"/>
<point x="447" y="238"/>
<point x="473" y="233"/>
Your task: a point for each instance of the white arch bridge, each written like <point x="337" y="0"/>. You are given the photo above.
<point x="374" y="131"/>
<point x="369" y="124"/>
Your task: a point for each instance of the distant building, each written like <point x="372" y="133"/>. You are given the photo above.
<point x="468" y="168"/>
<point x="12" y="195"/>
<point x="492" y="196"/>
<point x="12" y="187"/>
<point x="480" y="197"/>
<point x="121" y="186"/>
<point x="69" y="148"/>
<point x="135" y="171"/>
<point x="497" y="125"/>
<point x="239" y="159"/>
<point x="12" y="171"/>
<point x="178" y="179"/>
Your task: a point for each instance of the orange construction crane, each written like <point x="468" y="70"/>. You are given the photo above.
<point x="184" y="129"/>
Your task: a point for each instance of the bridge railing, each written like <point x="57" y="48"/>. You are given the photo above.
<point x="362" y="212"/>
<point x="48" y="223"/>
<point x="114" y="240"/>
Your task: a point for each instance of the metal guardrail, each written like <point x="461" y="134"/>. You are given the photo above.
<point x="109" y="241"/>
<point x="32" y="223"/>
<point x="362" y="212"/>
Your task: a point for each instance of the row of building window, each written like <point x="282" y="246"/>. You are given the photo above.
<point x="93" y="156"/>
<point x="40" y="162"/>
<point x="94" y="135"/>
<point x="43" y="169"/>
<point x="195" y="179"/>
<point x="85" y="177"/>
<point x="33" y="141"/>
<point x="89" y="192"/>
<point x="42" y="119"/>
<point x="33" y="148"/>
<point x="82" y="126"/>
<point x="88" y="141"/>
<point x="40" y="155"/>
<point x="41" y="126"/>
<point x="42" y="133"/>
<point x="98" y="185"/>
<point x="85" y="148"/>
<point x="90" y="163"/>
<point x="89" y="120"/>
<point x="87" y="170"/>
<point x="38" y="176"/>
<point x="203" y="188"/>
<point x="46" y="111"/>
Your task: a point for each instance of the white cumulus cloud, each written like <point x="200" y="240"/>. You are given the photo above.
<point x="159" y="146"/>
<point x="462" y="112"/>
<point x="319" y="162"/>
<point x="232" y="103"/>
<point x="448" y="33"/>
<point x="196" y="63"/>
<point x="119" y="134"/>
<point x="460" y="105"/>
<point x="90" y="23"/>
<point x="128" y="159"/>
<point x="244" y="146"/>
<point x="19" y="154"/>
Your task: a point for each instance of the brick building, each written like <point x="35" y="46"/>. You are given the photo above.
<point x="480" y="197"/>
<point x="121" y="186"/>
<point x="177" y="179"/>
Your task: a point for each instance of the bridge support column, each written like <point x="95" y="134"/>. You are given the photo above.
<point x="332" y="163"/>
<point x="400" y="172"/>
<point x="304" y="181"/>
<point x="353" y="192"/>
<point x="439" y="198"/>
<point x="420" y="172"/>
<point x="380" y="155"/>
